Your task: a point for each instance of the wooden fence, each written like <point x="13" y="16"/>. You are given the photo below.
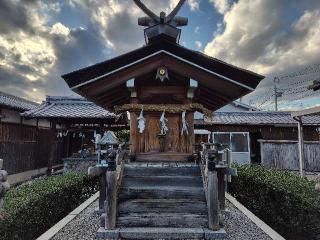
<point x="25" y="148"/>
<point x="284" y="154"/>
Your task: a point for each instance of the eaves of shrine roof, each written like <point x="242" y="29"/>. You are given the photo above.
<point x="228" y="72"/>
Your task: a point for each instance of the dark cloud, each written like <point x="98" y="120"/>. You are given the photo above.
<point x="11" y="79"/>
<point x="14" y="16"/>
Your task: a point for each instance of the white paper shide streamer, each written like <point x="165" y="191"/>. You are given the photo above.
<point x="141" y="122"/>
<point x="163" y="124"/>
<point x="184" y="124"/>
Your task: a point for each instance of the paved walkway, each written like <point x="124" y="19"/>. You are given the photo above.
<point x="85" y="225"/>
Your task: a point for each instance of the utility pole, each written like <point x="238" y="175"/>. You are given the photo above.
<point x="277" y="93"/>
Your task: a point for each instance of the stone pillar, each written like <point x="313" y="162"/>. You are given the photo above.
<point x="4" y="184"/>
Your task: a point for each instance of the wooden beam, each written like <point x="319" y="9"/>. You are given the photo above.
<point x="204" y="78"/>
<point x="211" y="92"/>
<point x="112" y="99"/>
<point x="118" y="101"/>
<point x="115" y="80"/>
<point x="111" y="93"/>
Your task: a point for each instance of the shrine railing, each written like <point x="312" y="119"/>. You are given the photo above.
<point x="110" y="174"/>
<point x="216" y="171"/>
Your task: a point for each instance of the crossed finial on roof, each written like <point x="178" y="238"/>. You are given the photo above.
<point x="153" y="19"/>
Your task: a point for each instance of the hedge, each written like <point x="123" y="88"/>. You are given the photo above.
<point x="29" y="210"/>
<point x="286" y="202"/>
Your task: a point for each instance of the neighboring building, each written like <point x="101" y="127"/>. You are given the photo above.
<point x="22" y="143"/>
<point x="246" y="133"/>
<point x="75" y="120"/>
<point x="238" y="106"/>
<point x="11" y="107"/>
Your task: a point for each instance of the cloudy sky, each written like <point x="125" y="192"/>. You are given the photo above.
<point x="41" y="40"/>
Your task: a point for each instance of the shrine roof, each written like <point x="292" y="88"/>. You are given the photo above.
<point x="222" y="69"/>
<point x="219" y="83"/>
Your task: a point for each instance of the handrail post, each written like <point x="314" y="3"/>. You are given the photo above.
<point x="212" y="198"/>
<point x="221" y="189"/>
<point x="111" y="192"/>
<point x="103" y="185"/>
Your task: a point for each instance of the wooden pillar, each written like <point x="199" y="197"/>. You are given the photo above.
<point x="103" y="185"/>
<point x="301" y="148"/>
<point x="213" y="201"/>
<point x="221" y="189"/>
<point x="53" y="136"/>
<point x="111" y="196"/>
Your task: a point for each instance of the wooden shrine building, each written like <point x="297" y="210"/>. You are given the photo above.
<point x="191" y="82"/>
<point x="161" y="85"/>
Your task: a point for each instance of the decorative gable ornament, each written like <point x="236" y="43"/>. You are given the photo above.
<point x="162" y="73"/>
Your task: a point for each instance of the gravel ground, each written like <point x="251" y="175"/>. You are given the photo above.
<point x="86" y="224"/>
<point x="239" y="227"/>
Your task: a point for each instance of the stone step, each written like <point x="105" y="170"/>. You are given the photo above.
<point x="161" y="192"/>
<point x="136" y="181"/>
<point x="162" y="157"/>
<point x="162" y="220"/>
<point x="156" y="170"/>
<point x="161" y="233"/>
<point x="162" y="206"/>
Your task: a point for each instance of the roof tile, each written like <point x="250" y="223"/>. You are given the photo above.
<point x="68" y="107"/>
<point x="14" y="102"/>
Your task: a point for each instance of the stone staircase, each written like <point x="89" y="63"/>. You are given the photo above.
<point x="162" y="201"/>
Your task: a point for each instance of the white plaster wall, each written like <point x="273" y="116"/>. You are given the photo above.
<point x="13" y="116"/>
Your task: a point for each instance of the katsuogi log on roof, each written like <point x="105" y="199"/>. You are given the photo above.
<point x="218" y="82"/>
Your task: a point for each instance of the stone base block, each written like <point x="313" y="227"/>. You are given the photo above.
<point x="160" y="233"/>
<point x="108" y="234"/>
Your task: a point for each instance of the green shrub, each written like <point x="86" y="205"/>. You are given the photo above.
<point x="123" y="135"/>
<point x="286" y="202"/>
<point x="29" y="210"/>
